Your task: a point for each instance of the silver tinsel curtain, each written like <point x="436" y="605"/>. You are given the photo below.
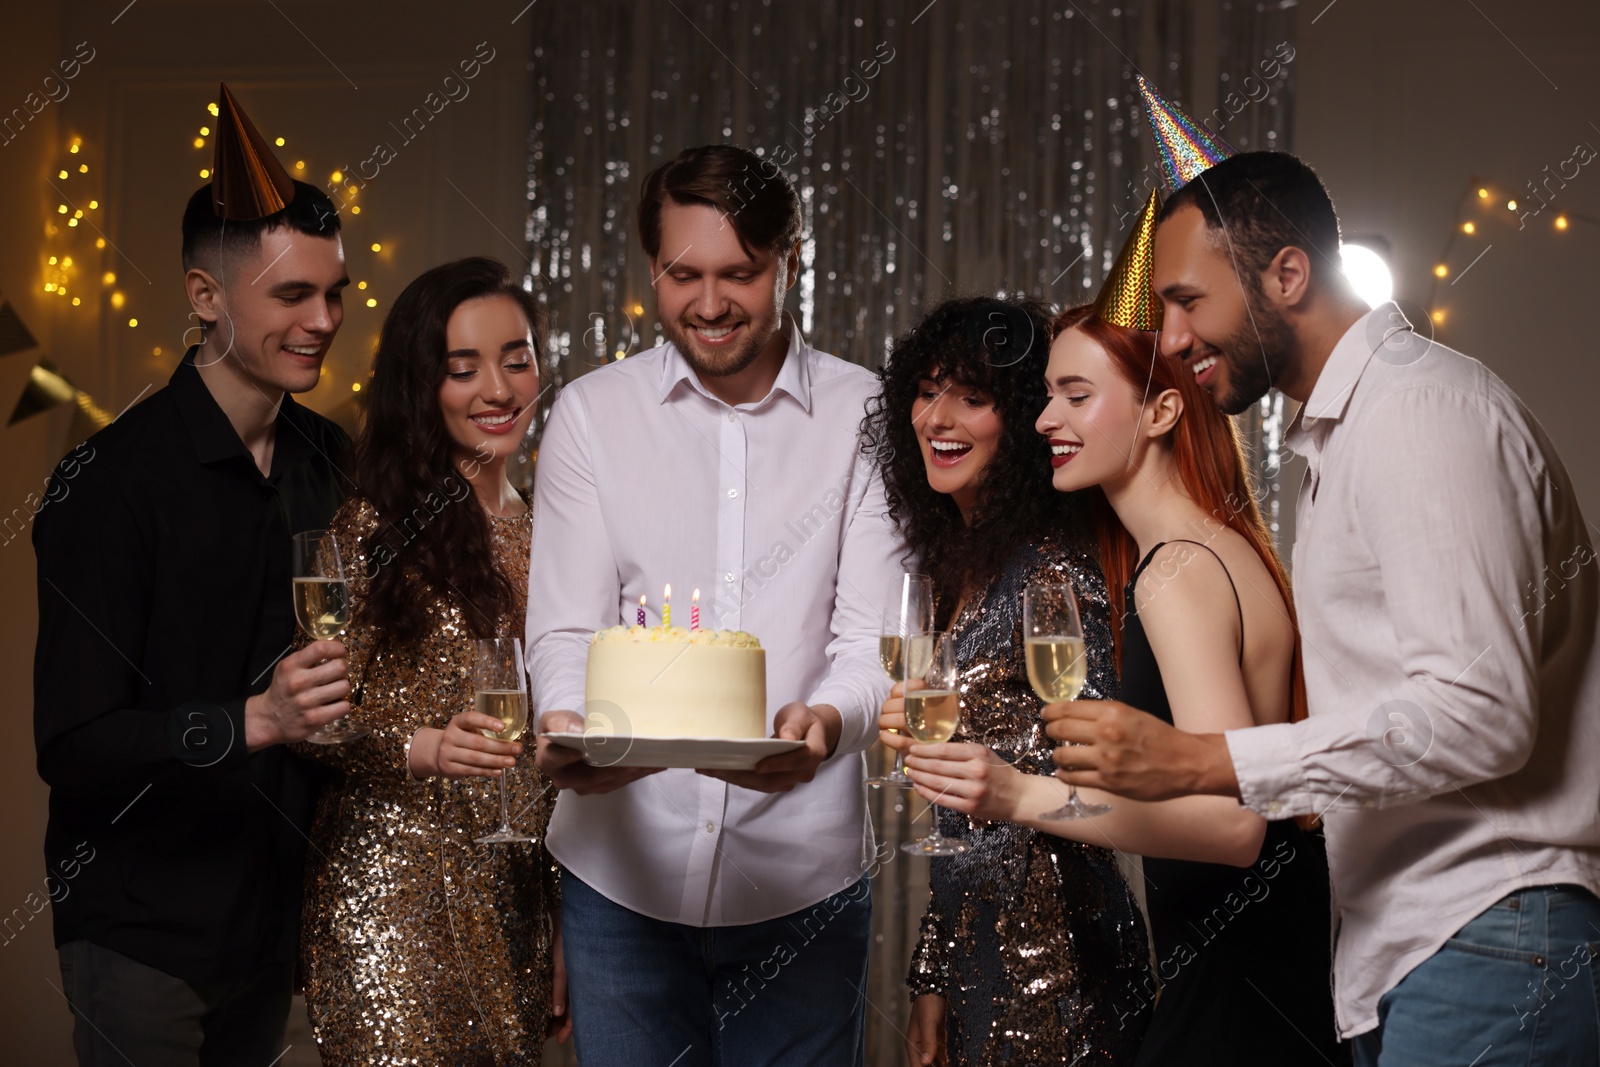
<point x="939" y="148"/>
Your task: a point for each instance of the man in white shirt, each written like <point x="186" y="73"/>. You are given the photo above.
<point x="1447" y="600"/>
<point x="723" y="918"/>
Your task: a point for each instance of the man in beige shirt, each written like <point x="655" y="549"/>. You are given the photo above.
<point x="1447" y="600"/>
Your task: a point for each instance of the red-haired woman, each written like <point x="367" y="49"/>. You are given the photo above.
<point x="1206" y="638"/>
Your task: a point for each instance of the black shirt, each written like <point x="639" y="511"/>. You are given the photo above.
<point x="164" y="601"/>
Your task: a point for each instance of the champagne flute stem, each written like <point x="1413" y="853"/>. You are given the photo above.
<point x="505" y="814"/>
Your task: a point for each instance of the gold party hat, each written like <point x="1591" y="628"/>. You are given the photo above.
<point x="1128" y="297"/>
<point x="48" y="388"/>
<point x="247" y="181"/>
<point x="1184" y="146"/>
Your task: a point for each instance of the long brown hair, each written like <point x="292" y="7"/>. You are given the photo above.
<point x="1210" y="464"/>
<point x="433" y="529"/>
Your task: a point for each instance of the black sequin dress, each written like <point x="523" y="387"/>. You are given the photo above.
<point x="1036" y="942"/>
<point x="1242" y="953"/>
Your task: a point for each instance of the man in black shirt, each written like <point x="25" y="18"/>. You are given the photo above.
<point x="163" y="691"/>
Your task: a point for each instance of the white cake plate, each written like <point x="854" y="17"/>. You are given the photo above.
<point x="698" y="753"/>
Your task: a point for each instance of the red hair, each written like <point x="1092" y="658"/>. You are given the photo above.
<point x="1207" y="457"/>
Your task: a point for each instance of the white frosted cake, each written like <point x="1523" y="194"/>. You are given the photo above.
<point x="670" y="682"/>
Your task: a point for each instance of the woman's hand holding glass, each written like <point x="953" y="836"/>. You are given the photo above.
<point x="461" y="750"/>
<point x="962" y="776"/>
<point x="969" y="778"/>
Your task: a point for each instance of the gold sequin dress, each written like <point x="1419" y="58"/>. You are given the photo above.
<point x="419" y="946"/>
<point x="1036" y="941"/>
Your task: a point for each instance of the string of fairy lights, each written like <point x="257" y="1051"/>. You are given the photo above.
<point x="61" y="269"/>
<point x="67" y="258"/>
<point x="1482" y="209"/>
<point x="1482" y="206"/>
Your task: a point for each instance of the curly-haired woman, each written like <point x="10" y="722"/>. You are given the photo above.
<point x="1238" y="906"/>
<point x="1030" y="942"/>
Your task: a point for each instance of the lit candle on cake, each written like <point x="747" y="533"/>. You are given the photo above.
<point x="694" y="611"/>
<point x="666" y="607"/>
<point x="641" y="611"/>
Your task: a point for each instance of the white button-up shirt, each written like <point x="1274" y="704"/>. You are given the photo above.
<point x="644" y="479"/>
<point x="1448" y="599"/>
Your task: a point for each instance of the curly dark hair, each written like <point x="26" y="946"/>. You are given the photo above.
<point x="998" y="346"/>
<point x="407" y="465"/>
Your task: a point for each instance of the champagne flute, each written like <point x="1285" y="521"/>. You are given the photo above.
<point x="502" y="693"/>
<point x="1052" y="643"/>
<point x="322" y="609"/>
<point x="911" y="617"/>
<point x="933" y="710"/>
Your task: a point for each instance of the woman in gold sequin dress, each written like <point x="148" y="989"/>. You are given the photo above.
<point x="1030" y="943"/>
<point x="420" y="946"/>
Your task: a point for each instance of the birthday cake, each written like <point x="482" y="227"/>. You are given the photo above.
<point x="666" y="681"/>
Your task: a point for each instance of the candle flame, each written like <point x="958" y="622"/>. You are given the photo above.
<point x="668" y="594"/>
<point x="696" y="596"/>
<point x="641" y="602"/>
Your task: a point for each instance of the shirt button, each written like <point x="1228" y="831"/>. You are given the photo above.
<point x="711" y="827"/>
<point x="1274" y="807"/>
<point x="732" y="493"/>
<point x="733" y="417"/>
<point x="728" y="577"/>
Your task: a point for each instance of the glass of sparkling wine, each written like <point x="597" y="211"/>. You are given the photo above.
<point x="933" y="710"/>
<point x="1052" y="640"/>
<point x="904" y="623"/>
<point x="502" y="693"/>
<point x="322" y="609"/>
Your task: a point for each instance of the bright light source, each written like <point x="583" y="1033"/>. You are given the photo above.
<point x="1368" y="273"/>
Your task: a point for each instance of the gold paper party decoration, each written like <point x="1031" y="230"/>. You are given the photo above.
<point x="14" y="336"/>
<point x="1128" y="297"/>
<point x="46" y="389"/>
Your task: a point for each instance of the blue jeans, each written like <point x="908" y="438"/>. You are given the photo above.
<point x="782" y="993"/>
<point x="1520" y="984"/>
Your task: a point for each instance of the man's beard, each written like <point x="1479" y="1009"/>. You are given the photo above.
<point x="1257" y="356"/>
<point x="721" y="363"/>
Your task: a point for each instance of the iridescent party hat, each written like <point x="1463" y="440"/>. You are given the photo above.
<point x="1184" y="146"/>
<point x="1128" y="296"/>
<point x="247" y="181"/>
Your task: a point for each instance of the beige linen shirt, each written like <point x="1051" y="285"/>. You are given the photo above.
<point x="1447" y="593"/>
